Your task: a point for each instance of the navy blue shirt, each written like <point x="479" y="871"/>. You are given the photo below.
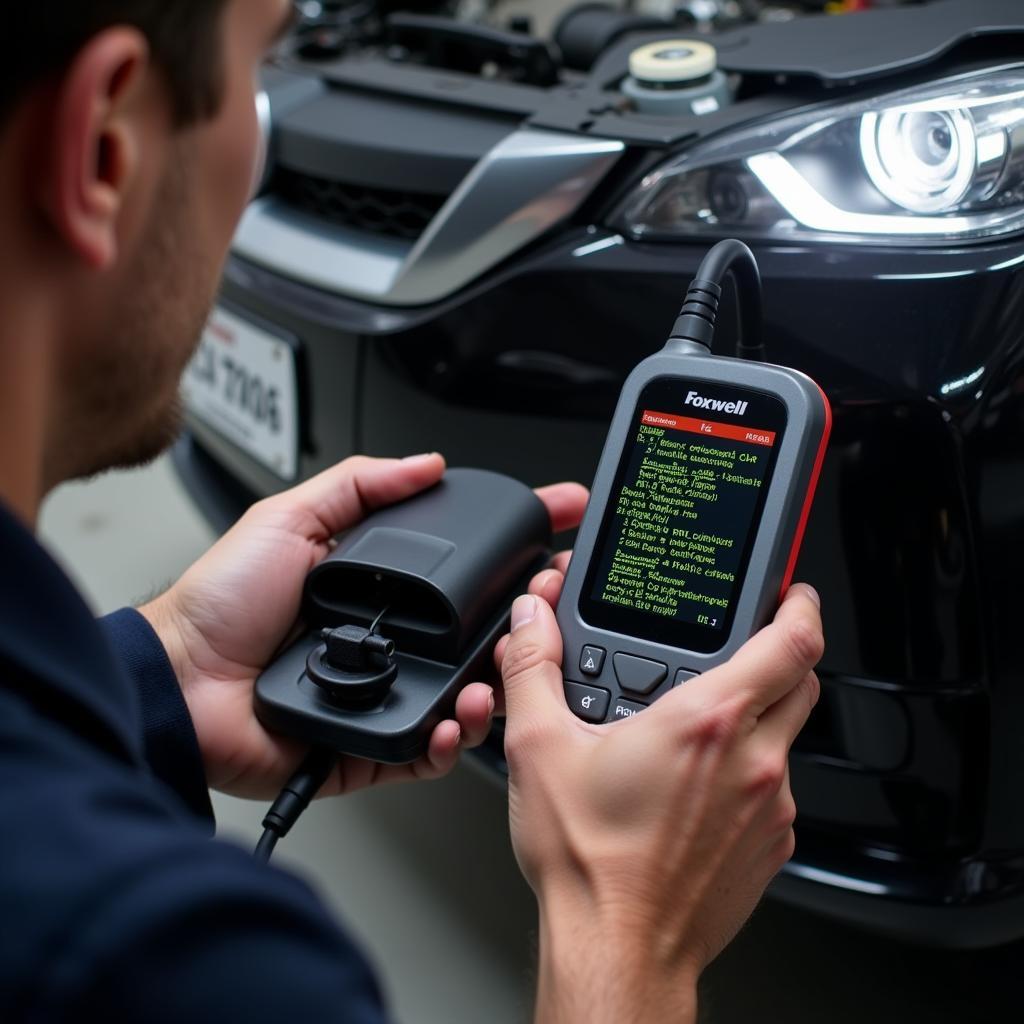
<point x="115" y="902"/>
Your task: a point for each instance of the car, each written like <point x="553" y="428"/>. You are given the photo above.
<point x="467" y="235"/>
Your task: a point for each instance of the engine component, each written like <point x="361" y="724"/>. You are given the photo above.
<point x="586" y="31"/>
<point x="676" y="78"/>
<point x="454" y="46"/>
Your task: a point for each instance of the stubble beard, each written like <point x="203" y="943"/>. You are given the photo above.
<point x="126" y="407"/>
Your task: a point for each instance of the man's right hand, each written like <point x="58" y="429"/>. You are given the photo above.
<point x="649" y="841"/>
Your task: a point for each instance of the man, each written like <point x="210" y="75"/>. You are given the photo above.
<point x="128" y="144"/>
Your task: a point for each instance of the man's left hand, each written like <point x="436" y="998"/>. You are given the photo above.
<point x="224" y="620"/>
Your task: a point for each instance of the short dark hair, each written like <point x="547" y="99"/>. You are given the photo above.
<point x="41" y="37"/>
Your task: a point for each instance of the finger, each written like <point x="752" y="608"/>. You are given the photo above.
<point x="352" y="774"/>
<point x="499" y="703"/>
<point x="561" y="561"/>
<point x="565" y="503"/>
<point x="474" y="709"/>
<point x="341" y="496"/>
<point x="765" y="862"/>
<point x="772" y="826"/>
<point x="548" y="585"/>
<point x="777" y="658"/>
<point x="499" y="691"/>
<point x="782" y="722"/>
<point x="499" y="652"/>
<point x="440" y="758"/>
<point x="442" y="752"/>
<point x="531" y="665"/>
<point x="446" y="742"/>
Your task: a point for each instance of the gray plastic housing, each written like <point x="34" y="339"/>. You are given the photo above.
<point x="447" y="564"/>
<point x="797" y="461"/>
<point x="679" y="102"/>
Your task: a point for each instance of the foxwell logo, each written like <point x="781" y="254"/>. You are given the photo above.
<point x="736" y="408"/>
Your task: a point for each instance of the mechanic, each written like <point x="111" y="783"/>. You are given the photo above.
<point x="128" y="142"/>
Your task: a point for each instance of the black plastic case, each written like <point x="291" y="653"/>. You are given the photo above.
<point x="446" y="564"/>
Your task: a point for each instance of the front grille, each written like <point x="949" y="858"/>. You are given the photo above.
<point x="379" y="210"/>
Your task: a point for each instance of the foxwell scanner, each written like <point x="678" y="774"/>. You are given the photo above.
<point x="689" y="540"/>
<point x="697" y="510"/>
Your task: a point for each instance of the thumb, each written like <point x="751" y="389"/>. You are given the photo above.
<point x="531" y="667"/>
<point x="340" y="497"/>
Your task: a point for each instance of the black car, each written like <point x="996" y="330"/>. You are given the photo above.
<point x="466" y="238"/>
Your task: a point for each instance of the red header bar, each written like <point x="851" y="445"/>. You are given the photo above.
<point x="709" y="428"/>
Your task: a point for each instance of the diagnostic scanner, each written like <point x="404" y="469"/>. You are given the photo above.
<point x="697" y="510"/>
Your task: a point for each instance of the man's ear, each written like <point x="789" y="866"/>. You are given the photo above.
<point x="96" y="148"/>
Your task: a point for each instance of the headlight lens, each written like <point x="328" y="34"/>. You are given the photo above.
<point x="940" y="163"/>
<point x="923" y="160"/>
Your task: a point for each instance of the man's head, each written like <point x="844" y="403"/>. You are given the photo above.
<point x="128" y="144"/>
<point x="183" y="37"/>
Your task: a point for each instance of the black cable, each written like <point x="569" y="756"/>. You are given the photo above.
<point x="294" y="798"/>
<point x="265" y="847"/>
<point x="376" y="622"/>
<point x="696" y="320"/>
<point x="314" y="771"/>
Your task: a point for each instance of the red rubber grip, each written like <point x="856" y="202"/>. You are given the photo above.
<point x="798" y="537"/>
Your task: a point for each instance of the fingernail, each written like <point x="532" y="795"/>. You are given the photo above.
<point x="813" y="594"/>
<point x="458" y="736"/>
<point x="523" y="611"/>
<point x="414" y="459"/>
<point x="490" y="704"/>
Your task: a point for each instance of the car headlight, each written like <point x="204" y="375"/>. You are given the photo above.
<point x="938" y="163"/>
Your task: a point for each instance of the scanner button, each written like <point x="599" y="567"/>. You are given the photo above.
<point x="625" y="709"/>
<point x="587" y="702"/>
<point x="592" y="660"/>
<point x="638" y="674"/>
<point x="684" y="675"/>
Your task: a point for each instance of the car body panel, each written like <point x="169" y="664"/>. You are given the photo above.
<point x="910" y="774"/>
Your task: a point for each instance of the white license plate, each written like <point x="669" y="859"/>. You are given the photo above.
<point x="242" y="382"/>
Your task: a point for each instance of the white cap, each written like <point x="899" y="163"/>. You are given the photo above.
<point x="673" y="60"/>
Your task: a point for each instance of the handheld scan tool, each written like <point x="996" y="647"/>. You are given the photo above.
<point x="697" y="511"/>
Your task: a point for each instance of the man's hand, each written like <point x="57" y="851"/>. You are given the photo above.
<point x="229" y="614"/>
<point x="649" y="841"/>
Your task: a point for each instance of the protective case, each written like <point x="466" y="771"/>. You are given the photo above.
<point x="446" y="565"/>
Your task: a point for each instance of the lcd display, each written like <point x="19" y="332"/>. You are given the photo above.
<point x="674" y="546"/>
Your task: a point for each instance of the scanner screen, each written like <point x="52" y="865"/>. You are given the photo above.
<point x="675" y="542"/>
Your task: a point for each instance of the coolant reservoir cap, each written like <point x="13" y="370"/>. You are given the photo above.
<point x="673" y="61"/>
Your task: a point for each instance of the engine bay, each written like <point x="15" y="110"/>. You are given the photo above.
<point x="572" y="72"/>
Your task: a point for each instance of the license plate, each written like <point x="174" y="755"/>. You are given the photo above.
<point x="242" y="383"/>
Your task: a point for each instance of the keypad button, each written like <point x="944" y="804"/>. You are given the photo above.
<point x="684" y="675"/>
<point x="587" y="702"/>
<point x="592" y="660"/>
<point x="640" y="675"/>
<point x="624" y="709"/>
